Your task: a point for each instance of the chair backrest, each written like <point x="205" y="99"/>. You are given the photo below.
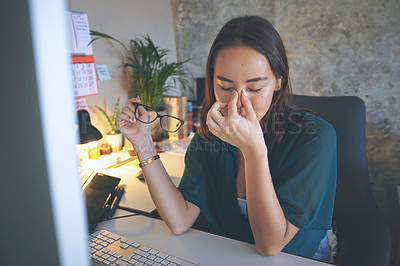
<point x="363" y="234"/>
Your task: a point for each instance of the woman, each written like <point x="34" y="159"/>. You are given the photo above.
<point x="259" y="170"/>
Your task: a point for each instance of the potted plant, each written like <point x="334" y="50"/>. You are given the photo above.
<point x="152" y="74"/>
<point x="113" y="136"/>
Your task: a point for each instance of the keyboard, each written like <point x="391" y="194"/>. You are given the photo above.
<point x="86" y="175"/>
<point x="107" y="248"/>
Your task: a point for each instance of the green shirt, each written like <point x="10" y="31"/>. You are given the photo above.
<point x="303" y="170"/>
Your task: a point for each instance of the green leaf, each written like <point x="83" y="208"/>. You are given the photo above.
<point x="115" y="114"/>
<point x="110" y="125"/>
<point x="106" y="36"/>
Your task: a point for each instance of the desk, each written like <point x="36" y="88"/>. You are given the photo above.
<point x="194" y="245"/>
<point x="136" y="194"/>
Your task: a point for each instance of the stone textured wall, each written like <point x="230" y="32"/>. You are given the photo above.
<point x="338" y="47"/>
<point x="198" y="22"/>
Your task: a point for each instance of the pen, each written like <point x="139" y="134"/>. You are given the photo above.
<point x="122" y="162"/>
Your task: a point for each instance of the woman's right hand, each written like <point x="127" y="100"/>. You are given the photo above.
<point x="136" y="132"/>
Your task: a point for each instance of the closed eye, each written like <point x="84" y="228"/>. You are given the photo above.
<point x="225" y="89"/>
<point x="255" y="90"/>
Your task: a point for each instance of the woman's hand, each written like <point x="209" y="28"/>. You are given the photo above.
<point x="135" y="131"/>
<point x="244" y="131"/>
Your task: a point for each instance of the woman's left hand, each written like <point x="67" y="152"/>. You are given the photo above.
<point x="243" y="132"/>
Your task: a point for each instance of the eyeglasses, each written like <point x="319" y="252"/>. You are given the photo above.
<point x="168" y="122"/>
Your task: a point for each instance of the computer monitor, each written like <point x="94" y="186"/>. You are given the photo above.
<point x="43" y="213"/>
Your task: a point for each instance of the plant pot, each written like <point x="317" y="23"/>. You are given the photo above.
<point x="156" y="129"/>
<point x="115" y="141"/>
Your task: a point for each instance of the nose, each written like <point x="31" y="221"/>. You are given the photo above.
<point x="239" y="102"/>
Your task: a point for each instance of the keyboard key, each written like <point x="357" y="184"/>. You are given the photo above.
<point x="152" y="251"/>
<point x="145" y="248"/>
<point x="97" y="241"/>
<point x="99" y="259"/>
<point x="117" y="255"/>
<point x="151" y="257"/>
<point x="105" y="256"/>
<point x="100" y="253"/>
<point x="106" y="262"/>
<point x="162" y="255"/>
<point x="126" y="258"/>
<point x="114" y="237"/>
<point x="96" y="233"/>
<point x="136" y="257"/>
<point x="133" y="261"/>
<point x="124" y="246"/>
<point x="141" y="253"/>
<point x="158" y="259"/>
<point x="92" y="250"/>
<point x="135" y="244"/>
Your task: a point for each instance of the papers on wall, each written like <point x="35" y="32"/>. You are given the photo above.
<point x="80" y="34"/>
<point x="81" y="104"/>
<point x="84" y="76"/>
<point x="102" y="72"/>
<point x="83" y="66"/>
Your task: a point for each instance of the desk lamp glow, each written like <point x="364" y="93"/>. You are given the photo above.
<point x="88" y="134"/>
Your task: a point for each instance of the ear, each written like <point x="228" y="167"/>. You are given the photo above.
<point x="278" y="83"/>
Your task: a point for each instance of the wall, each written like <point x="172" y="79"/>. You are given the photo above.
<point x="335" y="48"/>
<point x="124" y="20"/>
<point x="352" y="48"/>
<point x="197" y="22"/>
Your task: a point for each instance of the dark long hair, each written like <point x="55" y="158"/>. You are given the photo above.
<point x="258" y="33"/>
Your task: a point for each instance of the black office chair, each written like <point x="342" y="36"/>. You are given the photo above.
<point x="363" y="235"/>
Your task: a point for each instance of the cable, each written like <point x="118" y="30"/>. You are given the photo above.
<point x="118" y="217"/>
<point x="152" y="214"/>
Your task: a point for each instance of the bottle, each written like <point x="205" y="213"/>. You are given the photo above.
<point x="189" y="117"/>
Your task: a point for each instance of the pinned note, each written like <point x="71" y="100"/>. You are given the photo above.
<point x="80" y="34"/>
<point x="81" y="104"/>
<point x="102" y="72"/>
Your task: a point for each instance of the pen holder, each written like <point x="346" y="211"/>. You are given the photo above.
<point x="105" y="149"/>
<point x="83" y="153"/>
<point x="115" y="141"/>
<point x="93" y="150"/>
